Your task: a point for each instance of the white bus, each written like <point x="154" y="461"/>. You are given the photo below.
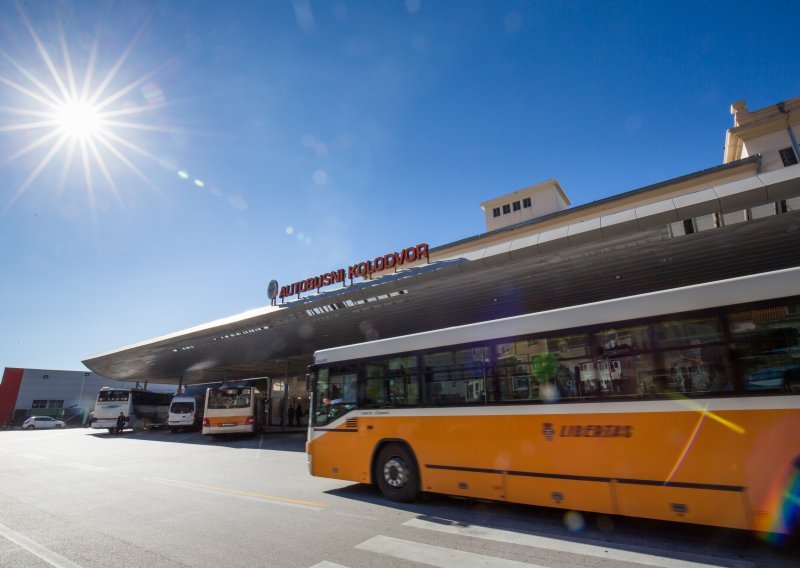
<point x="233" y="410"/>
<point x="141" y="408"/>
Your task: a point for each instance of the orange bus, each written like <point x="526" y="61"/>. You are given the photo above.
<point x="679" y="405"/>
<point x="232" y="410"/>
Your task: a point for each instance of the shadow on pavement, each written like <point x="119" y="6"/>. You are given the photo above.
<point x="285" y="441"/>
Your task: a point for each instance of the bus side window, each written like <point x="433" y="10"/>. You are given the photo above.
<point x="391" y="382"/>
<point x="768" y="347"/>
<point x="456" y="376"/>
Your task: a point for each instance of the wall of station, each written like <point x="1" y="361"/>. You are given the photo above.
<point x="66" y="395"/>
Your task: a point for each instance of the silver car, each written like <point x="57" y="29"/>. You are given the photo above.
<point x="35" y="422"/>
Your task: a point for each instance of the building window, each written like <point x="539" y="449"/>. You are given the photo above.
<point x="688" y="227"/>
<point x="788" y="156"/>
<point x="496" y="212"/>
<point x="516" y="206"/>
<point x="506" y="209"/>
<point x="526" y="202"/>
<point x="47" y="404"/>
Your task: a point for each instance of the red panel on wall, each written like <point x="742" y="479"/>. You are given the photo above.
<point x="9" y="390"/>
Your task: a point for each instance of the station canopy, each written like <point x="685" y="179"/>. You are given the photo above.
<point x="493" y="279"/>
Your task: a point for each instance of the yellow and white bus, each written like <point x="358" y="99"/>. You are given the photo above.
<point x="679" y="405"/>
<point x="232" y="410"/>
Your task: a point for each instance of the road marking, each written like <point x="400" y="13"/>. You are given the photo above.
<point x="34" y="457"/>
<point x="87" y="467"/>
<point x="436" y="555"/>
<point x="52" y="558"/>
<point x="605" y="552"/>
<point x="241" y="493"/>
<point x="326" y="564"/>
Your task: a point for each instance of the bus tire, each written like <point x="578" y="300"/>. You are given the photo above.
<point x="396" y="473"/>
<point x="111" y="430"/>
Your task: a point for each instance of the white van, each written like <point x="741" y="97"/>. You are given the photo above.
<point x="185" y="412"/>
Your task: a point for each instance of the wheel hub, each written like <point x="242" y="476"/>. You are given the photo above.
<point x="395" y="473"/>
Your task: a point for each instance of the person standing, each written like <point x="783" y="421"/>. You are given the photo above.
<point x="120" y="423"/>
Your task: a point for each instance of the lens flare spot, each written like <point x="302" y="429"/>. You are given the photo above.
<point x="574" y="521"/>
<point x="549" y="393"/>
<point x="305" y="331"/>
<point x="199" y="183"/>
<point x="153" y="94"/>
<point x="237" y="202"/>
<point x="289" y="230"/>
<point x="320" y="177"/>
<point x="182" y="174"/>
<point x="321" y="150"/>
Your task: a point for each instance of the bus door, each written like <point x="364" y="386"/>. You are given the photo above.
<point x="337" y="446"/>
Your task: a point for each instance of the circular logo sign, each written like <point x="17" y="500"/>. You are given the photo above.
<point x="272" y="289"/>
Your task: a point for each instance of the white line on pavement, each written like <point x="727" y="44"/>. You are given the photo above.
<point x="618" y="555"/>
<point x="326" y="564"/>
<point x="36" y="549"/>
<point x="436" y="555"/>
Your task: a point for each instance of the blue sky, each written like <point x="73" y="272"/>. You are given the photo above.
<point x="249" y="141"/>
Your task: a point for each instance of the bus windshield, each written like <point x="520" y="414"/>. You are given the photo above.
<point x="229" y="398"/>
<point x="336" y="393"/>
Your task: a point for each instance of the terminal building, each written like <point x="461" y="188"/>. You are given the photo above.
<point x="538" y="253"/>
<point x="65" y="395"/>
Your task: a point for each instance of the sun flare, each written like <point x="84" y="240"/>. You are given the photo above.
<point x="69" y="111"/>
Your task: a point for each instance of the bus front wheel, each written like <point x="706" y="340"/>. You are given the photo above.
<point x="396" y="473"/>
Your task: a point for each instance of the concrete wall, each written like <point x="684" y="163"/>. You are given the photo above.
<point x="768" y="146"/>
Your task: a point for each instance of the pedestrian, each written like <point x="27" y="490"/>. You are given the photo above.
<point x="298" y="412"/>
<point x="291" y="413"/>
<point x="120" y="422"/>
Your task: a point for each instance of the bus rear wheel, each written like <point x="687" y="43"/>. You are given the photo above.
<point x="396" y="473"/>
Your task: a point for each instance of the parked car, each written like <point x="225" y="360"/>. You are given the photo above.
<point x="35" y="422"/>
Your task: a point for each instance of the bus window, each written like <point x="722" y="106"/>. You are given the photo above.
<point x="540" y="368"/>
<point x="684" y="332"/>
<point x="623" y="360"/>
<point x="768" y="347"/>
<point x="456" y="376"/>
<point x="391" y="382"/>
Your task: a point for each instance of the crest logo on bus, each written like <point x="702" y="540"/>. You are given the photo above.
<point x="547" y="430"/>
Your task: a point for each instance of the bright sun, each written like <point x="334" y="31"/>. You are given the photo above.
<point x="87" y="119"/>
<point x="79" y="119"/>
